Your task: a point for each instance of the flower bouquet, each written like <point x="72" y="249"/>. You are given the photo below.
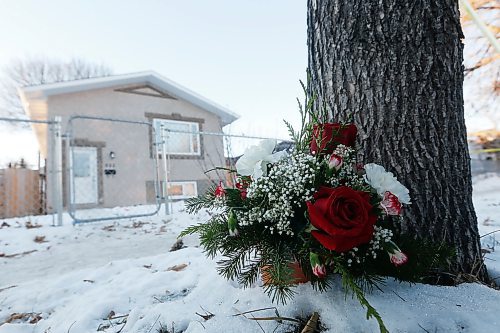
<point x="315" y="209"/>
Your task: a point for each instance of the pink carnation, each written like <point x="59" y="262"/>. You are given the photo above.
<point x="390" y="204"/>
<point x="318" y="268"/>
<point x="398" y="258"/>
<point x="319" y="271"/>
<point x="335" y="162"/>
<point x="219" y="191"/>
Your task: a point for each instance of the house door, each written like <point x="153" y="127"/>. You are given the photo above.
<point x="84" y="175"/>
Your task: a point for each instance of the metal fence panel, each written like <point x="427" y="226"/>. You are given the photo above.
<point x="111" y="169"/>
<point x="115" y="168"/>
<point x="27" y="166"/>
<point x="197" y="160"/>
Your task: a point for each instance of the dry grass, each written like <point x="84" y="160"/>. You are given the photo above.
<point x="25" y="317"/>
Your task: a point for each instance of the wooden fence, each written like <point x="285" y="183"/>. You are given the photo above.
<point x="21" y="193"/>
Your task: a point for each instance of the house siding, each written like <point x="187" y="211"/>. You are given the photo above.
<point x="131" y="143"/>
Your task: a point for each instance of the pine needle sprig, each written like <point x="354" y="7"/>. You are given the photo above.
<point x="350" y="284"/>
<point x="250" y="272"/>
<point x="280" y="288"/>
<point x="233" y="264"/>
<point x="302" y="137"/>
<point x="207" y="201"/>
<point x="211" y="233"/>
<point x="277" y="258"/>
<point x="191" y="230"/>
<point x="293" y="135"/>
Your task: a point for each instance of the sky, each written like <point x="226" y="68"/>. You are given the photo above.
<point x="245" y="55"/>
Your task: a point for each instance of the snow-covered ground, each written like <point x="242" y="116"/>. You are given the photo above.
<point x="78" y="277"/>
<point x="486" y="197"/>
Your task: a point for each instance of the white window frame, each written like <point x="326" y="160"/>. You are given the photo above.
<point x="157" y="126"/>
<point x="183" y="196"/>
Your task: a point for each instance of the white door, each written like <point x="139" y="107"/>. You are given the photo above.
<point x="84" y="172"/>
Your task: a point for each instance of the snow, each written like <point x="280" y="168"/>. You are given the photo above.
<point x="84" y="273"/>
<point x="487" y="204"/>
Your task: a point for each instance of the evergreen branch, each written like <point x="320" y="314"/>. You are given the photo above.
<point x="304" y="88"/>
<point x="349" y="284"/>
<point x="211" y="234"/>
<point x="279" y="287"/>
<point x="232" y="265"/>
<point x="193" y="229"/>
<point x="249" y="273"/>
<point x="302" y="137"/>
<point x="367" y="281"/>
<point x="293" y="135"/>
<point x="194" y="205"/>
<point x="301" y="109"/>
<point x="276" y="258"/>
<point x="234" y="200"/>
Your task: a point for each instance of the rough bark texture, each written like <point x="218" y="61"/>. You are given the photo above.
<point x="396" y="67"/>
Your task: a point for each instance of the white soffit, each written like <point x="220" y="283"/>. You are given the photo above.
<point x="149" y="82"/>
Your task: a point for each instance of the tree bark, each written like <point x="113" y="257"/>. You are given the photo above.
<point x="396" y="67"/>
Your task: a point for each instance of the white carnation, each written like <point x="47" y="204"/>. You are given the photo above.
<point x="383" y="181"/>
<point x="254" y="160"/>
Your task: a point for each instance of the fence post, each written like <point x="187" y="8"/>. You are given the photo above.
<point x="57" y="171"/>
<point x="67" y="172"/>
<point x="164" y="147"/>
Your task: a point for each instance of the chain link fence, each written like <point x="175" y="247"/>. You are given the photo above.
<point x="105" y="169"/>
<point x="116" y="168"/>
<point x="193" y="160"/>
<point x="25" y="171"/>
<point x="111" y="169"/>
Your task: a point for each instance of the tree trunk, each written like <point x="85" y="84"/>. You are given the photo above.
<point x="396" y="67"/>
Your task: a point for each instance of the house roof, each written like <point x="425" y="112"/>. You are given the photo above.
<point x="150" y="77"/>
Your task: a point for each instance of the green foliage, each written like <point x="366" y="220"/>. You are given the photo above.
<point x="308" y="117"/>
<point x="246" y="256"/>
<point x="281" y="282"/>
<point x="349" y="284"/>
<point x="269" y="230"/>
<point x="425" y="259"/>
<point x="194" y="205"/>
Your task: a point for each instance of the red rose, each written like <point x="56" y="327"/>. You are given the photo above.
<point x="343" y="217"/>
<point x="332" y="134"/>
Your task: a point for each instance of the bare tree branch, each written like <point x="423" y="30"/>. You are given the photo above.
<point x="32" y="71"/>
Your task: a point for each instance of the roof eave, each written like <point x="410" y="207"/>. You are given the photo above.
<point x="44" y="91"/>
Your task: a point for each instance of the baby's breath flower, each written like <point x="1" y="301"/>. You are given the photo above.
<point x="288" y="184"/>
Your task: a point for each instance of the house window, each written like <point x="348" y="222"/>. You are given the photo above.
<point x="182" y="137"/>
<point x="81" y="165"/>
<point x="182" y="190"/>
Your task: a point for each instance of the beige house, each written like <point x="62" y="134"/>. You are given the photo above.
<point x="112" y="162"/>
